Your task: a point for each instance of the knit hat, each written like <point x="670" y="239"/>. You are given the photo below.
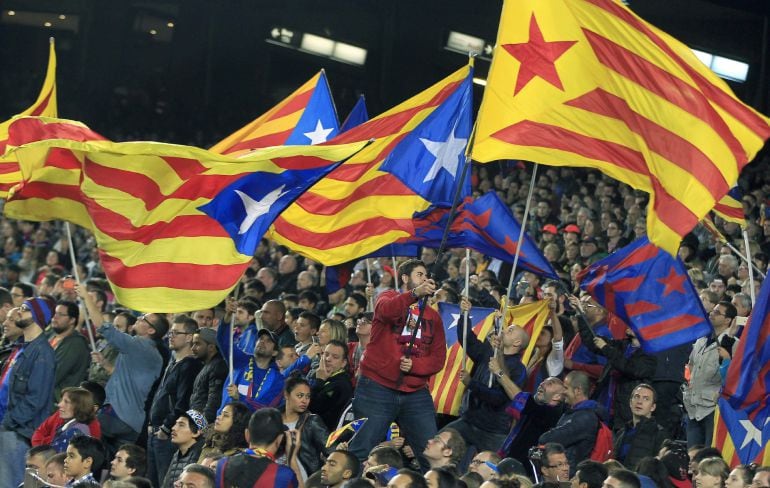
<point x="196" y="418"/>
<point x="42" y="310"/>
<point x="208" y="335"/>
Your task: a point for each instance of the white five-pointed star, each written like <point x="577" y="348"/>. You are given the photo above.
<point x="447" y="155"/>
<point x="455" y="320"/>
<point x="318" y="135"/>
<point x="257" y="208"/>
<point x="752" y="433"/>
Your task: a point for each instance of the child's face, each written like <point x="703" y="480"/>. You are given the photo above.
<point x="74" y="465"/>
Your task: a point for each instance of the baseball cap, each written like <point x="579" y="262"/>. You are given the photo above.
<point x="269" y="333"/>
<point x="550" y="228"/>
<point x="572" y="228"/>
<point x="208" y="335"/>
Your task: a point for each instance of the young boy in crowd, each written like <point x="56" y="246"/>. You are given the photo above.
<point x="85" y="455"/>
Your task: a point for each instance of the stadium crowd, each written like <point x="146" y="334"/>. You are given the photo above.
<point x="94" y="394"/>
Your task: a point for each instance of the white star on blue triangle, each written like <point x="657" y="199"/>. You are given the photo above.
<point x="318" y="123"/>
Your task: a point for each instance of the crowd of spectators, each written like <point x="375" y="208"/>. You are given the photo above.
<point x="94" y="394"/>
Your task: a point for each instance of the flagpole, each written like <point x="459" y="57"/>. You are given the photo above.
<point x="496" y="331"/>
<point x="395" y="268"/>
<point x="77" y="279"/>
<point x="466" y="313"/>
<point x="750" y="266"/>
<point x="725" y="242"/>
<point x="232" y="330"/>
<point x="521" y="230"/>
<point x="369" y="300"/>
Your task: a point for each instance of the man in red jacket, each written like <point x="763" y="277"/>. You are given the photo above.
<point x="394" y="376"/>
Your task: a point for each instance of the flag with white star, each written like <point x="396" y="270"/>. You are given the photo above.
<point x="430" y="159"/>
<point x="650" y="291"/>
<point x="742" y="423"/>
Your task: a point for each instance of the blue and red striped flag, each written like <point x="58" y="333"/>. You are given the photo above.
<point x="742" y="429"/>
<point x="650" y="291"/>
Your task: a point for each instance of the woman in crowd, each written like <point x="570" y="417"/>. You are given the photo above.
<point x="227" y="436"/>
<point x="76" y="416"/>
<point x="312" y="430"/>
<point x="741" y="476"/>
<point x="712" y="473"/>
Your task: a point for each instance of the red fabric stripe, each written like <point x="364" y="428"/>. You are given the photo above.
<point x="663" y="84"/>
<point x="751" y="120"/>
<point x="47" y="191"/>
<point x="736" y="213"/>
<point x="275" y="139"/>
<point x="641" y="307"/>
<point x="185" y="168"/>
<point x="3" y="145"/>
<point x="385" y="184"/>
<point x="302" y="162"/>
<point x="668" y="144"/>
<point x="182" y="276"/>
<point x="149" y="191"/>
<point x="62" y="158"/>
<point x="23" y="131"/>
<point x="448" y="381"/>
<point x="669" y="326"/>
<point x="347" y="235"/>
<point x="294" y="104"/>
<point x="628" y="284"/>
<point x="537" y="134"/>
<point x="43" y="105"/>
<point x="8" y="167"/>
<point x="671" y="211"/>
<point x="352" y="172"/>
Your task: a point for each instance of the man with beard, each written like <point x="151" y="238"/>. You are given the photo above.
<point x="256" y="380"/>
<point x="535" y="414"/>
<point x="72" y="352"/>
<point x="207" y="387"/>
<point x="401" y="357"/>
<point x="30" y="388"/>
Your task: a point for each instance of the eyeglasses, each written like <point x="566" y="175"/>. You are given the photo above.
<point x="173" y="332"/>
<point x="440" y="440"/>
<point x="144" y="318"/>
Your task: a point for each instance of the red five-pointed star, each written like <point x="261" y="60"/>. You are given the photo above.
<point x="537" y="57"/>
<point x="673" y="282"/>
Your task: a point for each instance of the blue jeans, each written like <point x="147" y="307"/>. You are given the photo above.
<point x="476" y="440"/>
<point x="700" y="431"/>
<point x="413" y="412"/>
<point x="13" y="449"/>
<point x="159" y="454"/>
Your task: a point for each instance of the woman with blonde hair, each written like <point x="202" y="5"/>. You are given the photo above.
<point x="712" y="473"/>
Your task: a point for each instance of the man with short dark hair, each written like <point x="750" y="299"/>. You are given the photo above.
<point x="305" y="329"/>
<point x="196" y="476"/>
<point x="274" y="319"/>
<point x="20" y="292"/>
<point x="642" y="437"/>
<point x="406" y="478"/>
<point x="256" y="465"/>
<point x="187" y="437"/>
<point x="400" y="359"/>
<point x="72" y="349"/>
<point x="205" y="318"/>
<point x="577" y="428"/>
<point x="30" y="389"/>
<point x="339" y="467"/>
<point x="554" y="464"/>
<point x="207" y="387"/>
<point x="355" y="304"/>
<point x="130" y="460"/>
<point x="85" y="455"/>
<point x="589" y="474"/>
<point x="622" y="478"/>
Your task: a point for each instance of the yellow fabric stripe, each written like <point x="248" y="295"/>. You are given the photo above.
<point x="167" y="300"/>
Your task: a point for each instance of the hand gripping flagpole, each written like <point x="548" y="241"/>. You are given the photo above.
<point x="439" y="253"/>
<point x="466" y="313"/>
<point x="77" y="279"/>
<point x="521" y="230"/>
<point x="496" y="331"/>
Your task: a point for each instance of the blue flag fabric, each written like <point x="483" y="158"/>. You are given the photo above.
<point x="318" y="122"/>
<point x="430" y="158"/>
<point x="451" y="315"/>
<point x="475" y="227"/>
<point x="651" y="292"/>
<point x="357" y="116"/>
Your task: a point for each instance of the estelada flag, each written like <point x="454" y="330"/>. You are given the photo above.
<point x="45" y="106"/>
<point x="588" y="83"/>
<point x="176" y="226"/>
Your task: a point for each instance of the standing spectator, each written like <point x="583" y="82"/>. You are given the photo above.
<point x="332" y="388"/>
<point x="642" y="436"/>
<point x="274" y="319"/>
<point x="30" y="389"/>
<point x="205" y="318"/>
<point x="356" y="349"/>
<point x="103" y="364"/>
<point x="138" y="365"/>
<point x="311" y="427"/>
<point x="207" y="387"/>
<point x="72" y="350"/>
<point x="172" y="397"/>
<point x="394" y="376"/>
<point x="576" y="429"/>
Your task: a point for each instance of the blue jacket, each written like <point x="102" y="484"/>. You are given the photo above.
<point x="30" y="392"/>
<point x="576" y="430"/>
<point x="138" y="366"/>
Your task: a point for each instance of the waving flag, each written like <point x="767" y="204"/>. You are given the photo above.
<point x="305" y="117"/>
<point x="588" y="83"/>
<point x="531" y="317"/>
<point x="445" y="387"/>
<point x="651" y="292"/>
<point x="368" y="202"/>
<point x="345" y="433"/>
<point x="742" y="430"/>
<point x="730" y="207"/>
<point x="357" y="116"/>
<point x="45" y="105"/>
<point x="176" y="226"/>
<point x="486" y="225"/>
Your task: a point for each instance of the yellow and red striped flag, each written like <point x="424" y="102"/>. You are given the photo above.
<point x="369" y="201"/>
<point x="307" y="116"/>
<point x="176" y="226"/>
<point x="445" y="387"/>
<point x="588" y="83"/>
<point x="730" y="207"/>
<point x="45" y="105"/>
